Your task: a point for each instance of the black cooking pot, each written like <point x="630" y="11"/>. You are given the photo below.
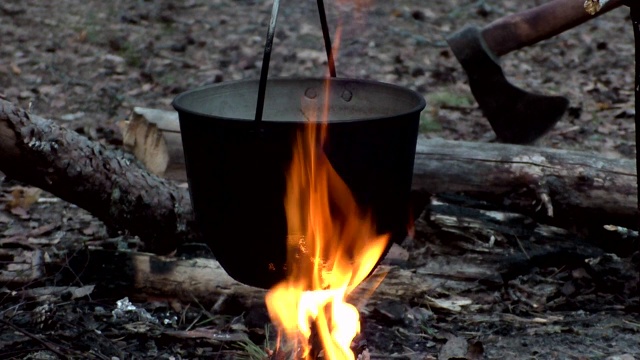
<point x="237" y="167"/>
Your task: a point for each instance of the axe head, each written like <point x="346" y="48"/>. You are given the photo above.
<point x="515" y="115"/>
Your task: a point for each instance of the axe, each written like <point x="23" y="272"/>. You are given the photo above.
<point x="516" y="116"/>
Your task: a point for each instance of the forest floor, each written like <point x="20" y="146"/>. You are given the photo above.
<point x="86" y="64"/>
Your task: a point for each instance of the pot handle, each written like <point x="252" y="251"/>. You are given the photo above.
<point x="268" y="46"/>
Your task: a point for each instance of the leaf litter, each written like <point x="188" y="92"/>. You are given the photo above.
<point x="87" y="64"/>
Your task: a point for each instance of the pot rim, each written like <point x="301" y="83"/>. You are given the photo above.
<point x="420" y="105"/>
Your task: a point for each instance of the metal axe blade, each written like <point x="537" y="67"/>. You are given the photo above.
<point x="516" y="116"/>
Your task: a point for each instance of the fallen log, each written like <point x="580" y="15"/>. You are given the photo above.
<point x="144" y="276"/>
<point x="118" y="190"/>
<point x="461" y="254"/>
<point x="569" y="186"/>
<point x="459" y="246"/>
<point x="110" y="184"/>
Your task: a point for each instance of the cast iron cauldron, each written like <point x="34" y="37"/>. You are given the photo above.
<point x="236" y="167"/>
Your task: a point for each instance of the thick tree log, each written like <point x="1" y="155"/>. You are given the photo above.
<point x="465" y="252"/>
<point x="572" y="186"/>
<point x="591" y="189"/>
<point x="466" y="247"/>
<point x="141" y="276"/>
<point x="108" y="183"/>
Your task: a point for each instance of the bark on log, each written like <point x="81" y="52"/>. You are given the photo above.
<point x="108" y="183"/>
<point x="573" y="187"/>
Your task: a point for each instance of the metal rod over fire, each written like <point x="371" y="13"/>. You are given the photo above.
<point x="268" y="47"/>
<point x="327" y="38"/>
<point x="635" y="19"/>
<point x="264" y="72"/>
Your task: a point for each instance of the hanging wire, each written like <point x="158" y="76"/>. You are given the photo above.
<point x="635" y="19"/>
<point x="264" y="72"/>
<point x="327" y="38"/>
<point x="266" y="58"/>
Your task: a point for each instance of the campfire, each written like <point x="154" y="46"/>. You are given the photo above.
<point x="332" y="247"/>
<point x="327" y="163"/>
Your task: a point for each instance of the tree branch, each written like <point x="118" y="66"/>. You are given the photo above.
<point x="110" y="184"/>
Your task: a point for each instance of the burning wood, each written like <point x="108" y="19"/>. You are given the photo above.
<point x="332" y="247"/>
<point x="358" y="346"/>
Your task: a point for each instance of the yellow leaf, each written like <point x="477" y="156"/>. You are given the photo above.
<point x="23" y="197"/>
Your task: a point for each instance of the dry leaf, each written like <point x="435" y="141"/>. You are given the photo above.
<point x="138" y="327"/>
<point x="42" y="241"/>
<point x="453" y="305"/>
<point x="41" y="230"/>
<point x="19" y="212"/>
<point x="23" y="197"/>
<point x="4" y="219"/>
<point x="593" y="6"/>
<point x="208" y="333"/>
<point x="455" y="348"/>
<point x="82" y="36"/>
<point x="176" y="305"/>
<point x="91" y="229"/>
<point x="15" y="69"/>
<point x="475" y="351"/>
<point x="82" y="291"/>
<point x="621" y="357"/>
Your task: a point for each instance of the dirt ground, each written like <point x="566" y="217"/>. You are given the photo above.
<point x="86" y="64"/>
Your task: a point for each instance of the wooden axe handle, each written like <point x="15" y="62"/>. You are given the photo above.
<point x="522" y="29"/>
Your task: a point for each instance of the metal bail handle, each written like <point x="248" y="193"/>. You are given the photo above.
<point x="635" y="20"/>
<point x="268" y="46"/>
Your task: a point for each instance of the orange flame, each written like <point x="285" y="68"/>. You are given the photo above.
<point x="333" y="246"/>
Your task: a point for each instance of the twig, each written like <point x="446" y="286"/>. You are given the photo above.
<point x="46" y="344"/>
<point x="98" y="355"/>
<point x="522" y="248"/>
<point x="396" y="356"/>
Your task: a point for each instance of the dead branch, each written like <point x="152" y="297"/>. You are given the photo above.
<point x="108" y="183"/>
